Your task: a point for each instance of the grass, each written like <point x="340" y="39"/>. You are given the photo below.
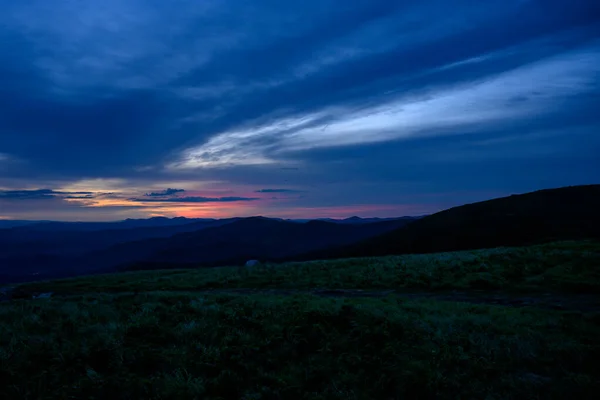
<point x="103" y="340"/>
<point x="563" y="266"/>
<point x="173" y="345"/>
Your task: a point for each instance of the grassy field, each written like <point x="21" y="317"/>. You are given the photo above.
<point x="157" y="335"/>
<point x="564" y="267"/>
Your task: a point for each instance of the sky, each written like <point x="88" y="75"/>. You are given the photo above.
<point x="114" y="109"/>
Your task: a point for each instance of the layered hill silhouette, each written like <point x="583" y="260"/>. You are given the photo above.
<point x="259" y="238"/>
<point x="518" y="220"/>
<point x="65" y="238"/>
<point x="56" y="249"/>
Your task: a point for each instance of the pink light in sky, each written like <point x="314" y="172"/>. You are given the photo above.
<point x="244" y="210"/>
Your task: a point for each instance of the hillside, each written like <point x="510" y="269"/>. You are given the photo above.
<point x="39" y="249"/>
<point x="130" y="223"/>
<point x="38" y="252"/>
<point x="506" y="323"/>
<point x="249" y="238"/>
<point x="568" y="267"/>
<point x="59" y="238"/>
<point x="54" y="249"/>
<point x="536" y="217"/>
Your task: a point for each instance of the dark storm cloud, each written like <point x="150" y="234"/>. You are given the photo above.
<point x="277" y="93"/>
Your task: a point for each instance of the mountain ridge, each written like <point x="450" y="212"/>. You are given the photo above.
<point x="26" y="251"/>
<point x="566" y="213"/>
<point x="522" y="219"/>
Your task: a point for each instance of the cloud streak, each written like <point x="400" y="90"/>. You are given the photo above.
<point x="440" y="112"/>
<point x="40" y="194"/>
<point x="195" y="199"/>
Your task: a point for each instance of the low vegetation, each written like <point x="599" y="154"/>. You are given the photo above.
<point x="563" y="266"/>
<point x="170" y="345"/>
<point x="159" y="335"/>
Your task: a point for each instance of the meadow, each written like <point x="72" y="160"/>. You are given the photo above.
<point x="558" y="267"/>
<point x="187" y="334"/>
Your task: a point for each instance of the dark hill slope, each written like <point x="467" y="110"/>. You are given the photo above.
<point x="249" y="238"/>
<point x="59" y="226"/>
<point x="542" y="216"/>
<point x="66" y="240"/>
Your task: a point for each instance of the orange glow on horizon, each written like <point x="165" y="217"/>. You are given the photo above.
<point x="113" y="202"/>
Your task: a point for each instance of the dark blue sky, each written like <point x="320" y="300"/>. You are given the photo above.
<point x="129" y="108"/>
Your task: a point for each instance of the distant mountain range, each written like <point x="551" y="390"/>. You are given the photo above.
<point x="160" y="222"/>
<point x="99" y="226"/>
<point x="232" y="244"/>
<point x="355" y="220"/>
<point x="49" y="249"/>
<point x="40" y="250"/>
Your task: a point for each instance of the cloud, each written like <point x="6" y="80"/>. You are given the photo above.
<point x="82" y="197"/>
<point x="108" y="68"/>
<point x="40" y="194"/>
<point x="462" y="107"/>
<point x="278" y="191"/>
<point x="195" y="199"/>
<point x="167" y="192"/>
